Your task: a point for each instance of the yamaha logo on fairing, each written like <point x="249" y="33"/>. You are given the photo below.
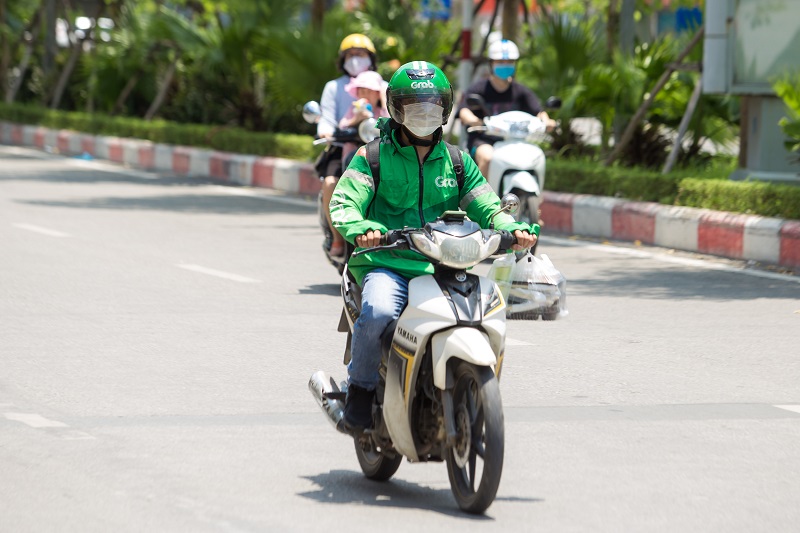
<point x="422" y="85"/>
<point x="441" y="181"/>
<point x="407" y="336"/>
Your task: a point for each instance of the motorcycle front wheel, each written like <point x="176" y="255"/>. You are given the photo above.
<point x="475" y="462"/>
<point x="376" y="465"/>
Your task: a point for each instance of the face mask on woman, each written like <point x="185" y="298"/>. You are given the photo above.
<point x="504" y="71"/>
<point x="423" y="118"/>
<point x="355" y="65"/>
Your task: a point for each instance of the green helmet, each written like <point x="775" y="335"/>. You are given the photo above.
<point x="418" y="82"/>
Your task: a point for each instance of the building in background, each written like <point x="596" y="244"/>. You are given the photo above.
<point x="748" y="44"/>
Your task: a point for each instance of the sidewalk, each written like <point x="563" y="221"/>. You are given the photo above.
<point x="745" y="237"/>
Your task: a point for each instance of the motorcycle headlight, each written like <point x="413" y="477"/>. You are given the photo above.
<point x="458" y="252"/>
<point x="426" y="246"/>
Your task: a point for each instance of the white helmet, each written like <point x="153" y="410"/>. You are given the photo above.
<point x="503" y="50"/>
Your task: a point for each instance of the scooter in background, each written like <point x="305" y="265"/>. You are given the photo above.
<point x="518" y="164"/>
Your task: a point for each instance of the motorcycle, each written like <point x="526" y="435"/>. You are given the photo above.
<point x="362" y="134"/>
<point x="438" y="398"/>
<point x="518" y="162"/>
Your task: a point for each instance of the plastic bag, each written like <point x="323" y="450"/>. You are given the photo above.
<point x="501" y="272"/>
<point x="536" y="288"/>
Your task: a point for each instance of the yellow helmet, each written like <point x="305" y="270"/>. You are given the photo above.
<point x="356" y="40"/>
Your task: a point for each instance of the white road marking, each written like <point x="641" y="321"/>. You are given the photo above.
<point x="685" y="261"/>
<point x="792" y="408"/>
<point x="39" y="229"/>
<point x="34" y="420"/>
<point x="218" y="273"/>
<point x="515" y="342"/>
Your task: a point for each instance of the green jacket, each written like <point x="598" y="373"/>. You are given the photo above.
<point x="409" y="195"/>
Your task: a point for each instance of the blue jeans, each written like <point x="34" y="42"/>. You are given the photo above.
<point x="384" y="295"/>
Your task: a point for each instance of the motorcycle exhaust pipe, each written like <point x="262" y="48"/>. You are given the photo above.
<point x="320" y="384"/>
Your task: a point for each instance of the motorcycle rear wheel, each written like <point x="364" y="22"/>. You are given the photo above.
<point x="475" y="462"/>
<point x="376" y="465"/>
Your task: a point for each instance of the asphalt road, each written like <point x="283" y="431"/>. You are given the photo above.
<point x="157" y="335"/>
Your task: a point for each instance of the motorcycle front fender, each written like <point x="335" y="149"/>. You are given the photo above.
<point x="468" y="344"/>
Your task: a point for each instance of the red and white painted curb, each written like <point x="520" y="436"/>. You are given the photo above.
<point x="748" y="237"/>
<point x="281" y="174"/>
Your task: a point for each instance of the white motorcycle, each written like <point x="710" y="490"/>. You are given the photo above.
<point x="518" y="162"/>
<point x="438" y="398"/>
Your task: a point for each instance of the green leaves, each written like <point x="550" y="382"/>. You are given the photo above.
<point x="788" y="89"/>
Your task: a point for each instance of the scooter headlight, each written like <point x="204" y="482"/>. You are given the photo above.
<point x="426" y="246"/>
<point x="460" y="252"/>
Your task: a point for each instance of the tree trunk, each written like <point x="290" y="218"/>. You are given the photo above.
<point x="132" y="81"/>
<point x="5" y="50"/>
<point x="510" y="19"/>
<point x="612" y="27"/>
<point x="166" y="82"/>
<point x="684" y="125"/>
<point x="317" y="15"/>
<point x="61" y="85"/>
<point x="72" y="61"/>
<point x="32" y="29"/>
<point x="11" y="95"/>
<point x="50" y="47"/>
<point x="626" y="137"/>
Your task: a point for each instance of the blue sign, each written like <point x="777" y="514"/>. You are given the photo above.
<point x="436" y="9"/>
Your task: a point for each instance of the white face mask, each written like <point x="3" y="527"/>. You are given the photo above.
<point x="355" y="65"/>
<point x="422" y="119"/>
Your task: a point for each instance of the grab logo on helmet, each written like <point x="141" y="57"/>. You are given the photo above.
<point x="422" y="85"/>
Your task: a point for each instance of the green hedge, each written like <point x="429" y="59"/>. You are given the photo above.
<point x="229" y="139"/>
<point x="751" y="197"/>
<point x="583" y="177"/>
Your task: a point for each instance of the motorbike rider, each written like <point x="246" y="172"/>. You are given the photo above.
<point x="501" y="93"/>
<point x="417" y="184"/>
<point x="356" y="55"/>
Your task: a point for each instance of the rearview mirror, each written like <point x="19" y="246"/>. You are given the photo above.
<point x="554" y="102"/>
<point x="311" y="112"/>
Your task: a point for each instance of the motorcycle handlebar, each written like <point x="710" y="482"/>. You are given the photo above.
<point x="340" y="136"/>
<point x="507" y="239"/>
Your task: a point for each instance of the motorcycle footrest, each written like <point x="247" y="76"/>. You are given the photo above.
<point x="341" y="396"/>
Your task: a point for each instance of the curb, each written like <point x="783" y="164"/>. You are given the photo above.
<point x="734" y="236"/>
<point x="746" y="237"/>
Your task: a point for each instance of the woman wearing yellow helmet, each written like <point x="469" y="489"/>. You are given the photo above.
<point x="356" y="55"/>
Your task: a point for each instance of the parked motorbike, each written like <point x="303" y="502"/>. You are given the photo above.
<point x="438" y="398"/>
<point x="364" y="133"/>
<point x="518" y="162"/>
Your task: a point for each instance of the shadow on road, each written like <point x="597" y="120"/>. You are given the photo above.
<point x="685" y="283"/>
<point x="345" y="486"/>
<point x="328" y="289"/>
<point x="613" y="276"/>
<point x="182" y="203"/>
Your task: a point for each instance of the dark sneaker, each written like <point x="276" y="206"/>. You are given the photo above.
<point x="358" y="408"/>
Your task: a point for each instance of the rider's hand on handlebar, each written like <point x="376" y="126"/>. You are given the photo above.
<point x="369" y="239"/>
<point x="525" y="240"/>
<point x="549" y="123"/>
